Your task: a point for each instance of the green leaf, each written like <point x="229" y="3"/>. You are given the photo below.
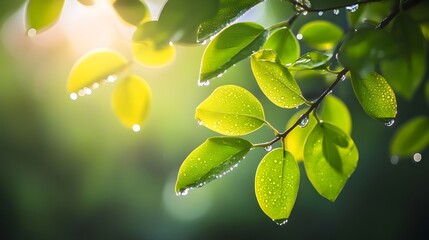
<point x="370" y="14"/>
<point x="310" y="61"/>
<point x="41" y="14"/>
<point x="131" y="101"/>
<point x="412" y="137"/>
<point x="285" y="44"/>
<point x="133" y="12"/>
<point x="231" y="110"/>
<point x="86" y="2"/>
<point x="375" y="96"/>
<point x="182" y="18"/>
<point x="277" y="184"/>
<point x="213" y="159"/>
<point x="332" y="110"/>
<point x="295" y="140"/>
<point x="363" y="51"/>
<point x="321" y="35"/>
<point x="330" y="157"/>
<point x="336" y="112"/>
<point x="229" y="10"/>
<point x="405" y="72"/>
<point x="232" y="45"/>
<point x="95" y="67"/>
<point x="275" y="81"/>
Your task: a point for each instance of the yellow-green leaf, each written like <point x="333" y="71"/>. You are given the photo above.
<point x="213" y="159"/>
<point x="275" y="80"/>
<point x="330" y="157"/>
<point x="277" y="184"/>
<point x="94" y="68"/>
<point x="336" y="112"/>
<point x="147" y="54"/>
<point x="285" y="44"/>
<point x="412" y="137"/>
<point x="231" y="110"/>
<point x="41" y="14"/>
<point x="321" y="34"/>
<point x="375" y="96"/>
<point x="133" y="12"/>
<point x="86" y="2"/>
<point x="131" y="101"/>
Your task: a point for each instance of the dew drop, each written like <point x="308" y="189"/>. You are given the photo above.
<point x="87" y="91"/>
<point x="299" y="36"/>
<point x="200" y="122"/>
<point x="171" y="44"/>
<point x="417" y="157"/>
<point x="95" y="85"/>
<point x="111" y="78"/>
<point x="73" y="96"/>
<point x="31" y="32"/>
<point x="304" y="122"/>
<point x="268" y="148"/>
<point x="183" y="192"/>
<point x="343" y="77"/>
<point x="204" y="42"/>
<point x="203" y="83"/>
<point x="304" y="13"/>
<point x="390" y="123"/>
<point x="136" y="128"/>
<point x="336" y="11"/>
<point x="81" y="92"/>
<point x="320" y="13"/>
<point x="281" y="222"/>
<point x="394" y="160"/>
<point x="353" y="8"/>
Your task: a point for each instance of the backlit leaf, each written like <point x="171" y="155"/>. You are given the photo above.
<point x="41" y="14"/>
<point x="412" y="137"/>
<point x="231" y="110"/>
<point x="330" y="157"/>
<point x="370" y="14"/>
<point x="131" y="101"/>
<point x="364" y="50"/>
<point x="133" y="12"/>
<point x="332" y="110"/>
<point x="277" y="184"/>
<point x="213" y="159"/>
<point x="310" y="60"/>
<point x="295" y="140"/>
<point x="275" y="81"/>
<point x="232" y="45"/>
<point x="94" y="68"/>
<point x="285" y="44"/>
<point x="148" y="55"/>
<point x="405" y="72"/>
<point x="321" y="35"/>
<point x="229" y="10"/>
<point x="375" y="96"/>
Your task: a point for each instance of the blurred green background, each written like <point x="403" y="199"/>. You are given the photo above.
<point x="69" y="170"/>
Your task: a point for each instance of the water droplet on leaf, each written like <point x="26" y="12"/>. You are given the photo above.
<point x="417" y="157"/>
<point x="343" y="77"/>
<point x="320" y="13"/>
<point x="268" y="148"/>
<point x="203" y="83"/>
<point x="281" y="221"/>
<point x="136" y="128"/>
<point x="183" y="192"/>
<point x="390" y="123"/>
<point x="304" y="13"/>
<point x="353" y="8"/>
<point x="73" y="96"/>
<point x="336" y="11"/>
<point x="299" y="36"/>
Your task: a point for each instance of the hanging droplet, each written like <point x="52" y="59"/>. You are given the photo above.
<point x="183" y="192"/>
<point x="111" y="78"/>
<point x="390" y="123"/>
<point x="268" y="148"/>
<point x="299" y="36"/>
<point x="320" y="13"/>
<point x="304" y="13"/>
<point x="336" y="11"/>
<point x="203" y="83"/>
<point x="394" y="160"/>
<point x="200" y="122"/>
<point x="171" y="44"/>
<point x="87" y="91"/>
<point x="343" y="77"/>
<point x="136" y="128"/>
<point x="73" y="96"/>
<point x="304" y="122"/>
<point x="417" y="157"/>
<point x="353" y="8"/>
<point x="281" y="221"/>
<point x="31" y="32"/>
